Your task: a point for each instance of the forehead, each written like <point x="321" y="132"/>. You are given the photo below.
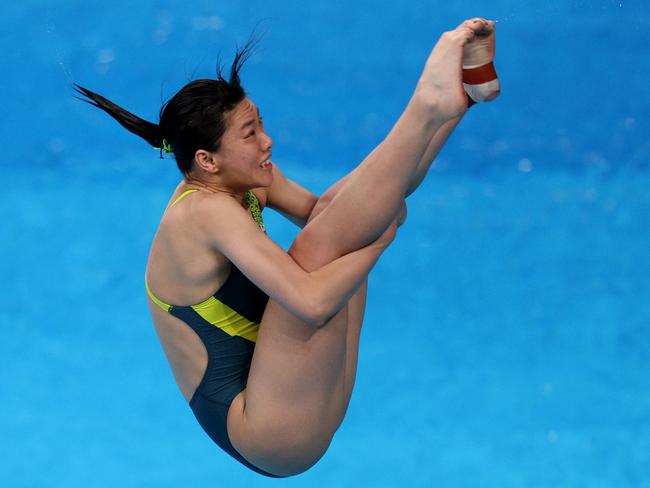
<point x="244" y="111"/>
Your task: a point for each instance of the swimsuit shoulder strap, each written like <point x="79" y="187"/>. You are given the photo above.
<point x="251" y="200"/>
<point x="254" y="207"/>
<point x="183" y="195"/>
<point x="165" y="306"/>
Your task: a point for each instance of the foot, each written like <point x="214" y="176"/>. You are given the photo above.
<point x="479" y="78"/>
<point x="441" y="81"/>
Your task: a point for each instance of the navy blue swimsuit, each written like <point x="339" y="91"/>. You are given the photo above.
<point x="227" y="324"/>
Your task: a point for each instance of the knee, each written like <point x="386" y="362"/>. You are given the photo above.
<point x="322" y="202"/>
<point x="310" y="249"/>
<point x="315" y="246"/>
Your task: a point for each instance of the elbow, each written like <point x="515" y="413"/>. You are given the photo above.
<point x="318" y="305"/>
<point x="317" y="314"/>
<point x="317" y="317"/>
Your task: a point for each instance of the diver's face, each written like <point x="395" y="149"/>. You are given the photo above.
<point x="245" y="149"/>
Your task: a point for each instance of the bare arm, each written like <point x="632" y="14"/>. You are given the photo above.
<point x="313" y="297"/>
<point x="290" y="199"/>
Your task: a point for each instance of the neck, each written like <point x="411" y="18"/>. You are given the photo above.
<point x="214" y="187"/>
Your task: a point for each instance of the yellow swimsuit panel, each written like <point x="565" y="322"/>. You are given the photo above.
<point x="212" y="310"/>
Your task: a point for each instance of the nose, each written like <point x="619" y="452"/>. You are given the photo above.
<point x="267" y="142"/>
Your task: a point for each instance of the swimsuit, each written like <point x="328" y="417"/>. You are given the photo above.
<point x="227" y="324"/>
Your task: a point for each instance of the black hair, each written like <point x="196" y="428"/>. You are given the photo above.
<point x="193" y="119"/>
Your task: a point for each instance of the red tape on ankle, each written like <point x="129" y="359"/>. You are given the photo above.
<point x="482" y="74"/>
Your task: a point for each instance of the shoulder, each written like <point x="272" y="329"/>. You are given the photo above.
<point x="208" y="206"/>
<point x="202" y="210"/>
<point x="221" y="219"/>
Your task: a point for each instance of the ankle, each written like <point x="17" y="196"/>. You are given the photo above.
<point x="426" y="105"/>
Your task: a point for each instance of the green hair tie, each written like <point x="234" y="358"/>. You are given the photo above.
<point x="253" y="205"/>
<point x="166" y="147"/>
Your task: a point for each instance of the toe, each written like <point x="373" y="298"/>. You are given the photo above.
<point x="479" y="25"/>
<point x="486" y="28"/>
<point x="471" y="24"/>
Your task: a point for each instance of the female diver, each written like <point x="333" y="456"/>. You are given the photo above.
<point x="268" y="361"/>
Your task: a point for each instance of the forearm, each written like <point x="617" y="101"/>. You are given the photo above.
<point x="435" y="145"/>
<point x="332" y="286"/>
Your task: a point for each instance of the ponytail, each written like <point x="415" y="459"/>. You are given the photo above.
<point x="193" y="119"/>
<point x="149" y="131"/>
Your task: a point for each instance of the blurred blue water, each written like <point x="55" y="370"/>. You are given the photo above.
<point x="508" y="329"/>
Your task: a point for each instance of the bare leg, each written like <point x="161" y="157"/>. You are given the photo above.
<point x="478" y="52"/>
<point x="434" y="147"/>
<point x="374" y="191"/>
<point x="297" y="392"/>
<point x="356" y="311"/>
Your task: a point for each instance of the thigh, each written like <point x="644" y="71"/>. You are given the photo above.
<point x="297" y="392"/>
<point x="356" y="312"/>
<point x="299" y="387"/>
<point x="295" y="396"/>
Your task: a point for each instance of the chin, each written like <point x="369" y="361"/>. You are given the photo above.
<point x="266" y="182"/>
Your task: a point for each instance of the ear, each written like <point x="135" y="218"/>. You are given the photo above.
<point x="207" y="161"/>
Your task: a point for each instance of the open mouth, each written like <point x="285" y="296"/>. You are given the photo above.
<point x="266" y="164"/>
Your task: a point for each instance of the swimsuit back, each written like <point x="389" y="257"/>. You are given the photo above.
<point x="227" y="323"/>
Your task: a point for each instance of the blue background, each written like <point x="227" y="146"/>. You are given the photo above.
<point x="507" y="338"/>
